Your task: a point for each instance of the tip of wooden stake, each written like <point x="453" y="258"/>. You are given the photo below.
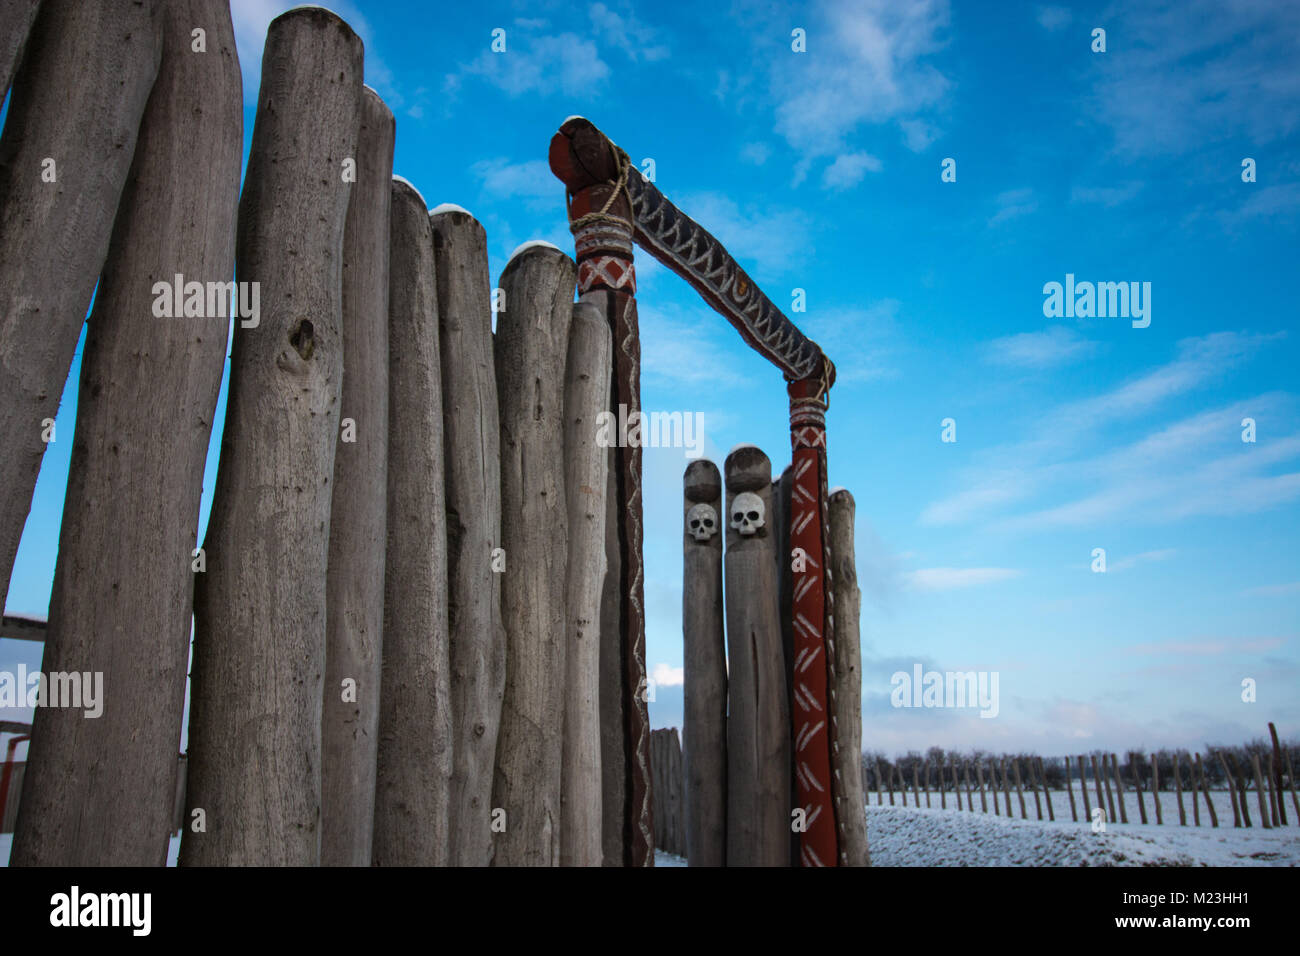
<point x="411" y="186"/>
<point x="441" y="208"/>
<point x="532" y="244"/>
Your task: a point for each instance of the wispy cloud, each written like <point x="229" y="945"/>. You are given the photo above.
<point x="1053" y="18"/>
<point x="562" y="63"/>
<point x="1013" y="204"/>
<point x="766" y="240"/>
<point x="849" y="169"/>
<point x="1274" y="590"/>
<point x="861" y="340"/>
<point x="665" y="675"/>
<point x="1209" y="647"/>
<point x="1108" y="196"/>
<point x="623" y="30"/>
<point x="1049" y="348"/>
<point x="531" y="181"/>
<point x="1133" y="560"/>
<point x="947" y="579"/>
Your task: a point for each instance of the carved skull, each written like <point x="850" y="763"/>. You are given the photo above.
<point x="702" y="522"/>
<point x="747" y="513"/>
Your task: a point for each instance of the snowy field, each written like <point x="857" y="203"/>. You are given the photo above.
<point x="900" y="836"/>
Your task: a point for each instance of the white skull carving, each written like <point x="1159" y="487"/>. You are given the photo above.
<point x="702" y="522"/>
<point x="747" y="512"/>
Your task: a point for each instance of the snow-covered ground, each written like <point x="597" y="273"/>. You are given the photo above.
<point x="909" y="836"/>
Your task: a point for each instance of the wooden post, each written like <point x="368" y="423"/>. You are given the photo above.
<point x="1274" y="797"/>
<point x="1295" y="801"/>
<point x="1205" y="788"/>
<point x="1137" y="786"/>
<point x="1232" y="791"/>
<point x="1069" y="789"/>
<point x="413" y="772"/>
<point x="1196" y="801"/>
<point x="99" y="792"/>
<point x="531" y="348"/>
<point x="848" y="679"/>
<point x="1119" y="788"/>
<point x="1155" y="788"/>
<point x="354" y="596"/>
<point x="889" y="781"/>
<point x="1083" y="786"/>
<point x="1178" y="788"/>
<point x="68" y="143"/>
<point x="943" y="793"/>
<point x="260" y="609"/>
<point x="902" y="784"/>
<point x="782" y="488"/>
<point x="916" y="787"/>
<point x="705" y="690"/>
<point x="1241" y="790"/>
<point x="472" y="465"/>
<point x="586" y="395"/>
<point x="1031" y="773"/>
<point x="1110" y="794"/>
<point x="925" y="783"/>
<point x="1006" y="784"/>
<point x="970" y="797"/>
<point x="614" y="769"/>
<point x="1020" y="793"/>
<point x="758" y="721"/>
<point x="1047" y="793"/>
<point x="679" y="815"/>
<point x="1275" y="773"/>
<point x="880" y="797"/>
<point x="16" y="19"/>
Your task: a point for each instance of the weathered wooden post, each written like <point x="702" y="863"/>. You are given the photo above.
<point x="705" y="663"/>
<point x="413" y="825"/>
<point x="1006" y="786"/>
<point x="679" y="815"/>
<point x="586" y="395"/>
<point x="916" y="788"/>
<point x="1137" y="785"/>
<point x="979" y="774"/>
<point x="1196" y="786"/>
<point x="782" y="488"/>
<point x="100" y="792"/>
<point x="68" y="144"/>
<point x="1047" y="792"/>
<point x="1083" y="786"/>
<point x="1020" y="793"/>
<point x="260" y="609"/>
<point x="1274" y="798"/>
<point x="531" y="348"/>
<point x="1295" y="801"/>
<point x="889" y="781"/>
<point x="848" y="679"/>
<point x="1275" y="773"/>
<point x="16" y="19"/>
<point x="1119" y="788"/>
<point x="614" y="766"/>
<point x="1232" y="791"/>
<point x="970" y="797"/>
<point x="1069" y="789"/>
<point x="1205" y="789"/>
<point x="1259" y="791"/>
<point x="1241" y="793"/>
<point x="1155" y="788"/>
<point x="1105" y="779"/>
<point x="472" y="465"/>
<point x="1178" y="788"/>
<point x="354" y="622"/>
<point x="758" y="721"/>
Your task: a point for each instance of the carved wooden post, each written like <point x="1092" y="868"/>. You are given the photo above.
<point x="16" y="19"/>
<point x="414" y="763"/>
<point x="586" y="395"/>
<point x="358" y="512"/>
<point x="615" y="768"/>
<point x="705" y="690"/>
<point x="848" y="679"/>
<point x="123" y="583"/>
<point x="1119" y="788"/>
<point x="472" y="464"/>
<point x="68" y="143"/>
<point x="260" y="610"/>
<point x="1155" y="788"/>
<point x="758" y="724"/>
<point x="782" y="488"/>
<point x="531" y="346"/>
<point x="600" y="216"/>
<point x="1137" y="785"/>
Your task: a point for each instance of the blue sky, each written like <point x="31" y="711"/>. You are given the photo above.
<point x="821" y="171"/>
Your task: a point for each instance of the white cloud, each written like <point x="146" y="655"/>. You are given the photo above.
<point x="947" y="579"/>
<point x="1108" y="196"/>
<point x="1012" y="204"/>
<point x="626" y="32"/>
<point x="756" y="153"/>
<point x="860" y="340"/>
<point x="1274" y="590"/>
<point x="532" y="181"/>
<point x="767" y="241"/>
<point x="666" y="676"/>
<point x="848" y="170"/>
<point x="1133" y="560"/>
<point x="564" y="63"/>
<point x="1039" y="350"/>
<point x="1212" y="647"/>
<point x="866" y="64"/>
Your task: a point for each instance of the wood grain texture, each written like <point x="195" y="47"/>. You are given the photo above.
<point x="16" y="19"/>
<point x="260" y="610"/>
<point x="704" y="727"/>
<point x="588" y="370"/>
<point x="848" y="678"/>
<point x="473" y="490"/>
<point x="99" y="791"/>
<point x="531" y="350"/>
<point x="359" y="510"/>
<point x="413" y="777"/>
<point x="77" y="100"/>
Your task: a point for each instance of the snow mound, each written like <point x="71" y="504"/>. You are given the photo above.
<point x="407" y="182"/>
<point x="532" y="244"/>
<point x="449" y="207"/>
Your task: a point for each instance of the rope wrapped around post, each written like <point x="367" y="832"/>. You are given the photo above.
<point x="608" y="209"/>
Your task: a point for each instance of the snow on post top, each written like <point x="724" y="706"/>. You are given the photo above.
<point x="449" y="207"/>
<point x="407" y="182"/>
<point x="836" y="489"/>
<point x="743" y="444"/>
<point x="574" y="116"/>
<point x="532" y="244"/>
